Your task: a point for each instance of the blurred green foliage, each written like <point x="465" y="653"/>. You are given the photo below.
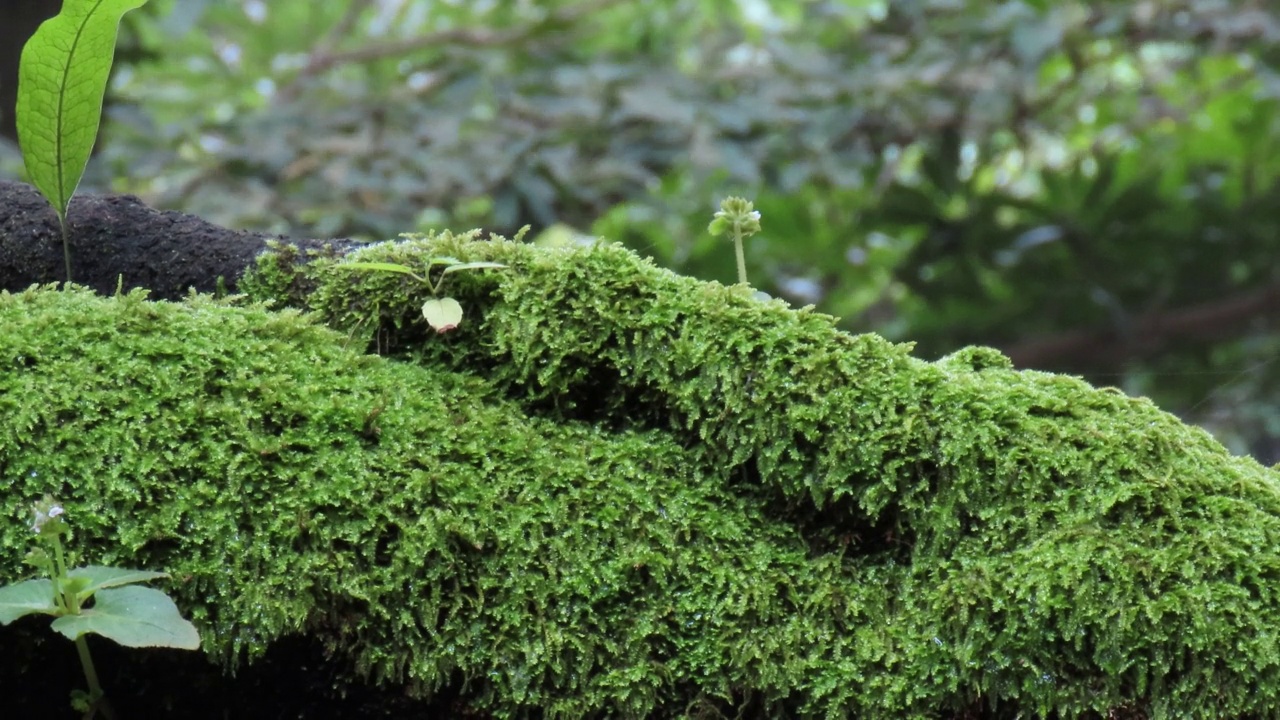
<point x="1015" y="173"/>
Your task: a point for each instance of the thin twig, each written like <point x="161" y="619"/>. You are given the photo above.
<point x="471" y="37"/>
<point x="341" y="28"/>
<point x="326" y="44"/>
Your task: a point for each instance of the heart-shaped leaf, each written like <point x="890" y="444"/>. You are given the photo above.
<point x="443" y="314"/>
<point x="62" y="78"/>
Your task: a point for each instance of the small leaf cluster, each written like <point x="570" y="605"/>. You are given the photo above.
<point x="740" y="220"/>
<point x="441" y="313"/>
<point x="121" y="611"/>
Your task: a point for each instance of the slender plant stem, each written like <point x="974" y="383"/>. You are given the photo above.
<point x="59" y="557"/>
<point x="97" y="698"/>
<point x="90" y="673"/>
<point x="66" y="248"/>
<point x="59" y="573"/>
<point x="70" y="603"/>
<point x="742" y="261"/>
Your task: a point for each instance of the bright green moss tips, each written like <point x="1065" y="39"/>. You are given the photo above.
<point x="1017" y="539"/>
<point x="406" y="517"/>
<point x="62" y="78"/>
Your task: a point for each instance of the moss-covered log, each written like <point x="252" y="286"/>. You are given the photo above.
<point x="617" y="492"/>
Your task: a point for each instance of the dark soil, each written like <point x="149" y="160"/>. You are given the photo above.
<point x="39" y="670"/>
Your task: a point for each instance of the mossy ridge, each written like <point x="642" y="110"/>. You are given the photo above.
<point x="555" y="566"/>
<point x="1073" y="548"/>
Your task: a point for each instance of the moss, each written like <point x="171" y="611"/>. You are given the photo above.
<point x="419" y="525"/>
<point x="616" y="492"/>
<point x="1050" y="547"/>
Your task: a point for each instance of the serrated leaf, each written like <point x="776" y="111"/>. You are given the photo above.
<point x="443" y="314"/>
<point x="26" y="598"/>
<point x="132" y="616"/>
<point x="62" y="77"/>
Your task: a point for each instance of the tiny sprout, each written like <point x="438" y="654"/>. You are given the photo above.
<point x="442" y="313"/>
<point x="741" y="220"/>
<point x="92" y="599"/>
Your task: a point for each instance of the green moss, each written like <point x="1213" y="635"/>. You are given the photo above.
<point x="415" y="522"/>
<point x="616" y="492"/>
<point x="1051" y="547"/>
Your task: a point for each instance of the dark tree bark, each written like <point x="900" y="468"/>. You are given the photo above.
<point x="116" y="236"/>
<point x="1151" y="334"/>
<point x="18" y="21"/>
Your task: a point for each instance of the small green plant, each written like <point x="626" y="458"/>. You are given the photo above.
<point x="92" y="599"/>
<point x="442" y="313"/>
<point x="741" y="220"/>
<point x="62" y="78"/>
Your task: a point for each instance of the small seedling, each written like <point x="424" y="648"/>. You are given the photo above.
<point x="741" y="220"/>
<point x="62" y="78"/>
<point x="103" y="600"/>
<point x="442" y="313"/>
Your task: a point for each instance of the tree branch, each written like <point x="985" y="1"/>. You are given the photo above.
<point x="1151" y="333"/>
<point x="470" y="37"/>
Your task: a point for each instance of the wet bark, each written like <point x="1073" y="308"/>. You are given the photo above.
<point x="117" y="239"/>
